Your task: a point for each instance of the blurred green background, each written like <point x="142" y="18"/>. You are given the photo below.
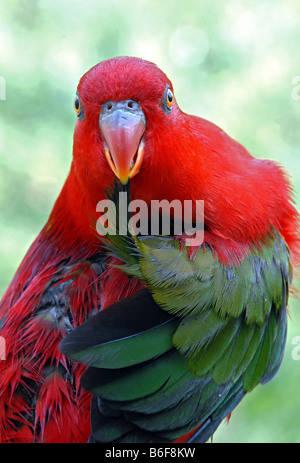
<point x="234" y="63"/>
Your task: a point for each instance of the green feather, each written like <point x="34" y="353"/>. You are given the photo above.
<point x="260" y="361"/>
<point x="203" y="361"/>
<point x="116" y="385"/>
<point x="195" y="332"/>
<point x="129" y="350"/>
<point x="106" y="428"/>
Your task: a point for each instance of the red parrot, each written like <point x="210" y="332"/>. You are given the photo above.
<point x="186" y="332"/>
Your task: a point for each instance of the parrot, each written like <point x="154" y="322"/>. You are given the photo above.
<point x="142" y="337"/>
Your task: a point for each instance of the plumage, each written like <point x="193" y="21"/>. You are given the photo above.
<point x="143" y="338"/>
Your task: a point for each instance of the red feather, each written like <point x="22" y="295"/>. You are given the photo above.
<point x="58" y="413"/>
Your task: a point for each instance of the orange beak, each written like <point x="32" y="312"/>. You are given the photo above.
<point x="122" y="127"/>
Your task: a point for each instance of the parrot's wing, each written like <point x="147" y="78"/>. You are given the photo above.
<point x="184" y="352"/>
<point x="142" y="386"/>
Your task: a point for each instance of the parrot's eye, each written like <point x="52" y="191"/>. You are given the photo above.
<point x="78" y="108"/>
<point x="77" y="104"/>
<point x="168" y="100"/>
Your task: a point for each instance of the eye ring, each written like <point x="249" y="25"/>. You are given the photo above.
<point x="170" y="98"/>
<point x="77" y="105"/>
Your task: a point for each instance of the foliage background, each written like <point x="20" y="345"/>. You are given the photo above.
<point x="235" y="63"/>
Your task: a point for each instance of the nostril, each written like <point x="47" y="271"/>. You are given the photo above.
<point x="130" y="104"/>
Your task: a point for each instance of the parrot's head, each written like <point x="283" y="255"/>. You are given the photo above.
<point x="126" y="120"/>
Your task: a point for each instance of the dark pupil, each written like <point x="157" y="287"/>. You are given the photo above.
<point x="77" y="103"/>
<point x="170" y="97"/>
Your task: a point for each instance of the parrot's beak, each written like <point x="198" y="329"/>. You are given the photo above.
<point x="122" y="126"/>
